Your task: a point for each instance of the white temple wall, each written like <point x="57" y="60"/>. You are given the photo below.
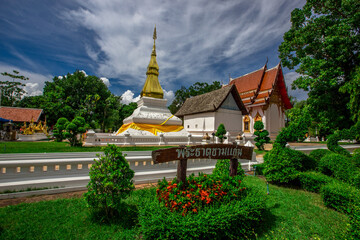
<point x="198" y="124"/>
<point x="231" y="119"/>
<point x="276" y="119"/>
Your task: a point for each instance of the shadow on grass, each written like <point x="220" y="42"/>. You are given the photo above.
<point x="269" y="221"/>
<point x="125" y="216"/>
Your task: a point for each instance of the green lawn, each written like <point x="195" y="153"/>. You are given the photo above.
<point x="293" y="214"/>
<point x="41" y="147"/>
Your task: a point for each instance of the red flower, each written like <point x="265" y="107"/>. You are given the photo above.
<point x="194" y="210"/>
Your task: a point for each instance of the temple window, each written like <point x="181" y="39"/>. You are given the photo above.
<point x="258" y="117"/>
<point x="246" y="124"/>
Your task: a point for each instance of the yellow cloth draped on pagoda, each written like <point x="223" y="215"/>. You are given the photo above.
<point x="152" y="128"/>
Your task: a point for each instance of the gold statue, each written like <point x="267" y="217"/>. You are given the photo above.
<point x="152" y="86"/>
<point x="33" y="128"/>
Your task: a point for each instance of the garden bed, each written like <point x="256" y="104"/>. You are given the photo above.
<point x="291" y="214"/>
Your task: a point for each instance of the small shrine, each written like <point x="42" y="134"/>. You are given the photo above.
<point x="34" y="128"/>
<point x="152" y="117"/>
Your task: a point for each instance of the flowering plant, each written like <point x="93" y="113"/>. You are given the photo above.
<point x="198" y="192"/>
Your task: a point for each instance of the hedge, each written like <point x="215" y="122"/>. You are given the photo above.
<point x="319" y="153"/>
<point x="233" y="220"/>
<point x="313" y="181"/>
<point x="354" y="217"/>
<point x="337" y="166"/>
<point x="283" y="165"/>
<point x="340" y="196"/>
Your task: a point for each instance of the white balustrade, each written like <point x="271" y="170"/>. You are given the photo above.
<point x="72" y="173"/>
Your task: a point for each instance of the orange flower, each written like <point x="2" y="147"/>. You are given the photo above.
<point x="194" y="210"/>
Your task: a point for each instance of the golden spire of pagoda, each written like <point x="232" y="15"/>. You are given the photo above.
<point x="152" y="86"/>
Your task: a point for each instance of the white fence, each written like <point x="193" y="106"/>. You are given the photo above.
<point x="69" y="174"/>
<point x="101" y="139"/>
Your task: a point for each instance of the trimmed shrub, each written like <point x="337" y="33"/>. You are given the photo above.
<point x="222" y="168"/>
<point x="340" y="196"/>
<point x="262" y="135"/>
<point x="313" y="181"/>
<point x="110" y="182"/>
<point x="356" y="152"/>
<point x="354" y="217"/>
<point x="332" y="142"/>
<point x="220" y="133"/>
<point x="59" y="129"/>
<point x="318" y="154"/>
<point x="307" y="163"/>
<point x="259" y="168"/>
<point x="235" y="219"/>
<point x="283" y="165"/>
<point x="75" y="127"/>
<point x="356" y="180"/>
<point x="356" y="159"/>
<point x="337" y="166"/>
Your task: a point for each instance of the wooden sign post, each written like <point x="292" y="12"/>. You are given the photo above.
<point x="212" y="151"/>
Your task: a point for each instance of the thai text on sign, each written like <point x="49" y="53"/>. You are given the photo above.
<point x="208" y="152"/>
<point x="214" y="151"/>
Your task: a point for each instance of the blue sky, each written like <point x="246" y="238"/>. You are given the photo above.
<point x="198" y="41"/>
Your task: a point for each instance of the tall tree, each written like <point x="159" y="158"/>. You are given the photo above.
<point x="31" y="102"/>
<point x="197" y="88"/>
<point x="78" y="95"/>
<point x="323" y="44"/>
<point x="12" y="91"/>
<point x="126" y="110"/>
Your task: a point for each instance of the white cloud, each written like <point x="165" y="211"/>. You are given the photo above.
<point x="299" y="94"/>
<point x="169" y="95"/>
<point x="193" y="36"/>
<point x="83" y="71"/>
<point x="106" y="81"/>
<point x="128" y="97"/>
<point x="35" y="84"/>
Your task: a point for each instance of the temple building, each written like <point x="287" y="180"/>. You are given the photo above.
<point x="265" y="97"/>
<point x="257" y="96"/>
<point x="204" y="113"/>
<point x="152" y="117"/>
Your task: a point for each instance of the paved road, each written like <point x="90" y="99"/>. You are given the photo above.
<point x="308" y="149"/>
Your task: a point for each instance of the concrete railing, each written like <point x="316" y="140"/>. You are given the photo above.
<point x="102" y="139"/>
<point x="71" y="174"/>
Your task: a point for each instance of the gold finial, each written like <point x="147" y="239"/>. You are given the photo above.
<point x="152" y="86"/>
<point x="154" y="36"/>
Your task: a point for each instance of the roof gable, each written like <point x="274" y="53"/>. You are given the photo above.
<point x="248" y="82"/>
<point x="210" y="102"/>
<point x="261" y="85"/>
<point x="20" y="114"/>
<point x="230" y="103"/>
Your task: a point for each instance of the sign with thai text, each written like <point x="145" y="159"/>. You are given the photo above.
<point x="212" y="151"/>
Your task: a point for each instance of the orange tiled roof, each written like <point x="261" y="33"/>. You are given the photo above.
<point x="263" y="95"/>
<point x="247" y="95"/>
<point x="250" y="86"/>
<point x="269" y="79"/>
<point x="20" y="114"/>
<point x="248" y="82"/>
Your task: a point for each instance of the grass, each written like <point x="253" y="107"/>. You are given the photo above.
<point x="47" y="147"/>
<point x="297" y="214"/>
<point x="292" y="214"/>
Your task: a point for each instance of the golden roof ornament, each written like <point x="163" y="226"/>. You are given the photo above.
<point x="152" y="86"/>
